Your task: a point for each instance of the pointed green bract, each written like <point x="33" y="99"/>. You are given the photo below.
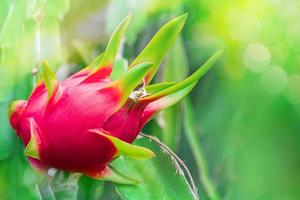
<point x="114" y="43"/>
<point x="120" y="67"/>
<point x="127" y="149"/>
<point x="161" y="177"/>
<point x="131" y="80"/>
<point x="188" y="81"/>
<point x="154" y="88"/>
<point x="108" y="58"/>
<point x="110" y="174"/>
<point x="159" y="45"/>
<point x="95" y="63"/>
<point x="49" y="78"/>
<point x="32" y="148"/>
<point x="170" y="99"/>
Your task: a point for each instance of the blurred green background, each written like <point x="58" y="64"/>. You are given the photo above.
<point x="245" y="111"/>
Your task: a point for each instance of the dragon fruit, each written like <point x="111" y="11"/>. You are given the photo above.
<point x="84" y="122"/>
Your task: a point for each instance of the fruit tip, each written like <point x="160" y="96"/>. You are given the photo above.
<point x="180" y="20"/>
<point x="14" y="105"/>
<point x="182" y="17"/>
<point x="127" y="19"/>
<point x="185" y="15"/>
<point x="44" y="64"/>
<point x="129" y="16"/>
<point x="147" y="65"/>
<point x="135" y="182"/>
<point x="11" y="108"/>
<point x="152" y="154"/>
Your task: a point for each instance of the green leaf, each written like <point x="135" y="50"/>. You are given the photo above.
<point x="172" y="94"/>
<point x="169" y="99"/>
<point x="89" y="188"/>
<point x="110" y="174"/>
<point x="191" y="80"/>
<point x="159" y="45"/>
<point x="114" y="43"/>
<point x="158" y="176"/>
<point x="119" y="69"/>
<point x="155" y="88"/>
<point x="127" y="149"/>
<point x="128" y="82"/>
<point x="196" y="148"/>
<point x="175" y="69"/>
<point x="172" y="126"/>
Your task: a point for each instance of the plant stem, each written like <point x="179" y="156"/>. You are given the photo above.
<point x="197" y="150"/>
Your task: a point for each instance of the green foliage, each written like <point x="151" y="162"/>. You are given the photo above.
<point x="240" y="135"/>
<point x="127" y="149"/>
<point x="196" y="148"/>
<point x="160" y="177"/>
<point x="119" y="69"/>
<point x="129" y="81"/>
<point x="174" y="70"/>
<point x="114" y="43"/>
<point x="49" y="78"/>
<point x="20" y="30"/>
<point x="159" y="45"/>
<point x="89" y="189"/>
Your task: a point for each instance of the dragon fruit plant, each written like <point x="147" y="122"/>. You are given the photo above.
<point x="84" y="122"/>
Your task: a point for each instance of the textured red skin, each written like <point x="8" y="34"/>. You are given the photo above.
<point x="81" y="103"/>
<point x="15" y="116"/>
<point x="127" y="122"/>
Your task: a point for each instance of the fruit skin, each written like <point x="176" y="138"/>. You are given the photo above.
<point x="63" y="123"/>
<point x="15" y="110"/>
<point x="84" y="122"/>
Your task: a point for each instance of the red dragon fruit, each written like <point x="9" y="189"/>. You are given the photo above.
<point x="84" y="122"/>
